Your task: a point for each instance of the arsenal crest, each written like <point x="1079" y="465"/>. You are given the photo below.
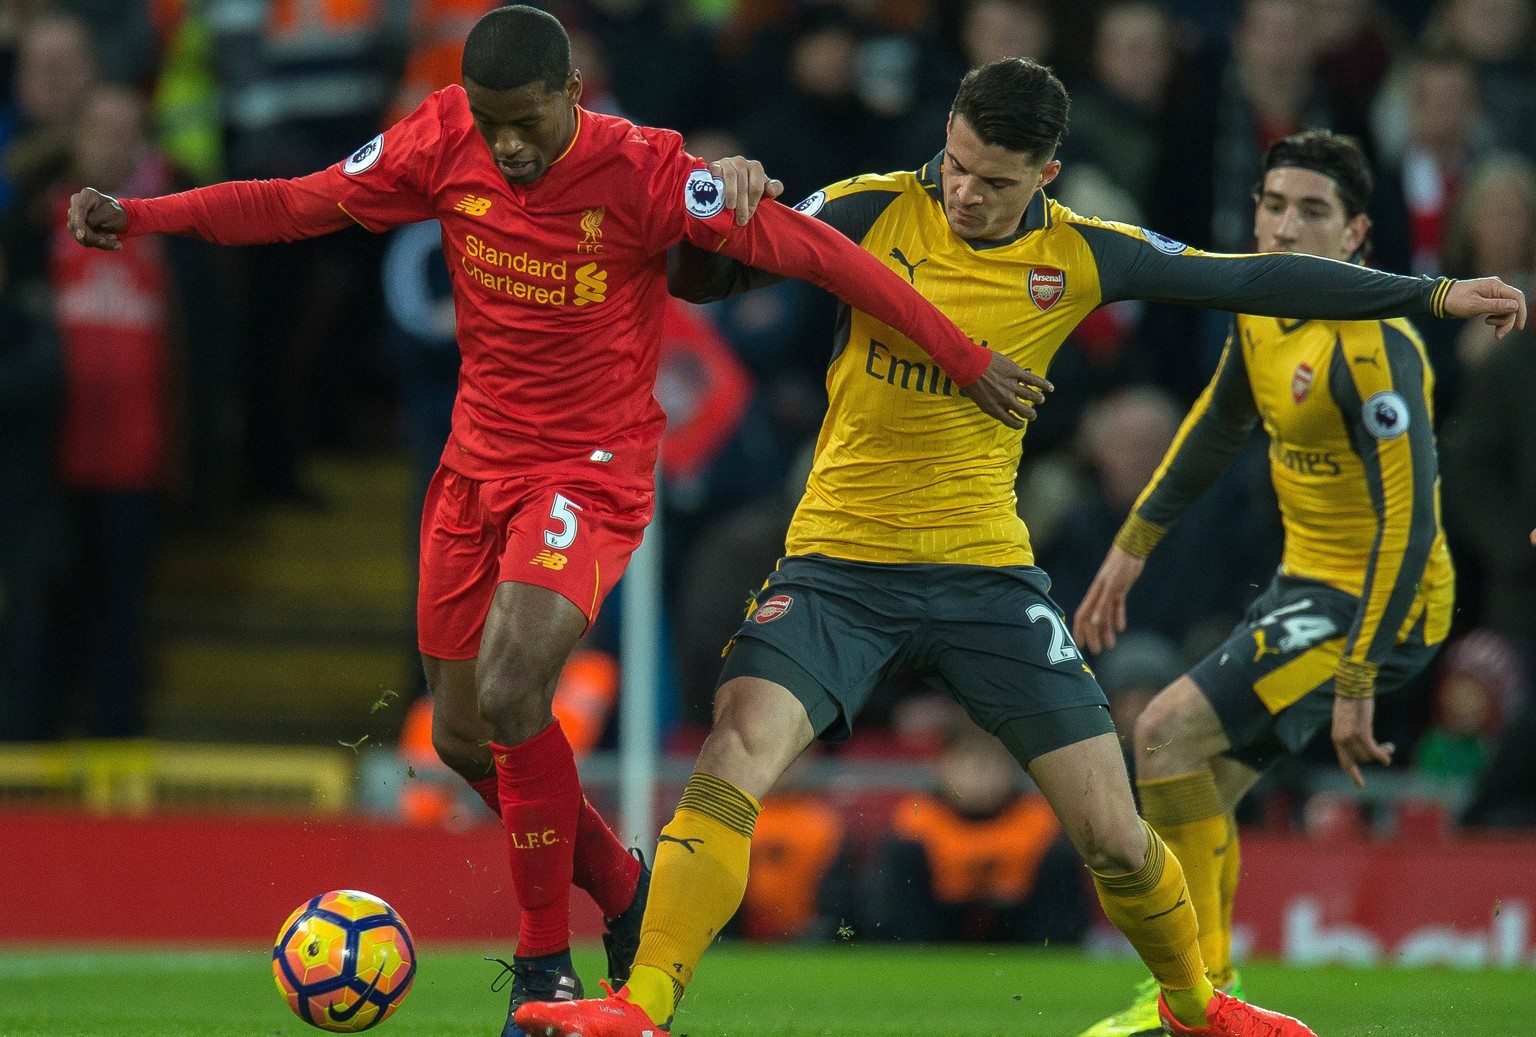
<point x="1301" y="382"/>
<point x="1046" y="284"/>
<point x="773" y="608"/>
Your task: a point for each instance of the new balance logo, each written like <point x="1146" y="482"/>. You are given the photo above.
<point x="896" y="254"/>
<point x="471" y="205"/>
<point x="681" y="842"/>
<point x="549" y="560"/>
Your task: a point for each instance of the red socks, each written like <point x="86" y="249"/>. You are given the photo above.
<point x="603" y="867"/>
<point x="539" y="779"/>
<point x="541" y="802"/>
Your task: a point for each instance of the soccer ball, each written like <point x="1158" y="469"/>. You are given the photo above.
<point x="344" y="961"/>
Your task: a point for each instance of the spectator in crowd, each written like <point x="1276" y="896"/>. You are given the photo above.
<point x="1497" y="36"/>
<point x="1493" y="231"/>
<point x="1266" y="90"/>
<point x="976" y="858"/>
<point x="994" y="29"/>
<point x="55" y="72"/>
<point x="1478" y="682"/>
<point x="123" y="37"/>
<point x="1122" y="438"/>
<point x="1355" y="42"/>
<point x="815" y="130"/>
<point x="662" y="63"/>
<point x="1118" y="129"/>
<point x="31" y="508"/>
<point x="1490" y="489"/>
<point x="1444" y="132"/>
<point x="302" y="83"/>
<point x="116" y="451"/>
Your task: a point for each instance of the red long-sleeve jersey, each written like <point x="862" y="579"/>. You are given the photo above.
<point x="558" y="285"/>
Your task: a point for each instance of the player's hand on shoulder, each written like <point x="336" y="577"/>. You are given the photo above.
<point x="1354" y="738"/>
<point x="96" y="219"/>
<point x="1008" y="392"/>
<point x="1501" y="305"/>
<point x="1101" y="616"/>
<point x="746" y="184"/>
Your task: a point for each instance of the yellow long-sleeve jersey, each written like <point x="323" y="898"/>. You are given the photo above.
<point x="906" y="469"/>
<point x="1347" y="407"/>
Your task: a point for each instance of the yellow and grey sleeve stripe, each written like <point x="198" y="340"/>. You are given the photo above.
<point x="721" y="801"/>
<point x="1138" y="536"/>
<point x="1437" y="297"/>
<point x="1354" y="679"/>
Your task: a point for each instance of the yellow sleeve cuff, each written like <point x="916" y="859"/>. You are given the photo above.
<point x="1355" y="680"/>
<point x="1138" y="536"/>
<point x="1437" y="297"/>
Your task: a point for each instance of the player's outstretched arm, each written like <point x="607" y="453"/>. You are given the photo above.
<point x="96" y="219"/>
<point x="1101" y="616"/>
<point x="1500" y="305"/>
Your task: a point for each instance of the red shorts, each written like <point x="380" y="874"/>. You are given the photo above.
<point x="565" y="535"/>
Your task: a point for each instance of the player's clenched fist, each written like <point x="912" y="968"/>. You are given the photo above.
<point x="96" y="219"/>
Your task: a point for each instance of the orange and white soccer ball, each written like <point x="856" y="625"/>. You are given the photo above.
<point x="344" y="961"/>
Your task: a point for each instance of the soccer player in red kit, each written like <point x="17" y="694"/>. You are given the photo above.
<point x="556" y="221"/>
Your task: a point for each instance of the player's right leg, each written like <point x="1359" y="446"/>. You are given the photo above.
<point x="601" y="865"/>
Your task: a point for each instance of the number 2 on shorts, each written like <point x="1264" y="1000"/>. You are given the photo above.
<point x="1062" y="649"/>
<point x="562" y="511"/>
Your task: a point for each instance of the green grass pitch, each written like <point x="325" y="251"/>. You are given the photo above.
<point x="744" y="991"/>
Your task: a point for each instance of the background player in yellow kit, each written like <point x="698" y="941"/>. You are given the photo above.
<point x="1363" y="596"/>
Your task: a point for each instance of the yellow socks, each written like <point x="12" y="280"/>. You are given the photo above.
<point x="1151" y="907"/>
<point x="699" y="878"/>
<point x="1231" y="869"/>
<point x="1186" y="810"/>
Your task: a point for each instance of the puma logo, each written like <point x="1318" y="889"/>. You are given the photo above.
<point x="1182" y="901"/>
<point x="911" y="267"/>
<point x="681" y="842"/>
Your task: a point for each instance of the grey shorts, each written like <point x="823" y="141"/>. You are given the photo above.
<point x="1271" y="680"/>
<point x="988" y="636"/>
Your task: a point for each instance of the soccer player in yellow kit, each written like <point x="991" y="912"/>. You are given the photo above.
<point x="1363" y="596"/>
<point x="907" y="549"/>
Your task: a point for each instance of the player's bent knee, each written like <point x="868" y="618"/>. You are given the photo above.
<point x="466" y="756"/>
<point x="1115" y="849"/>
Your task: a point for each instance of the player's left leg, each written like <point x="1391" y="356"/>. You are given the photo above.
<point x="1002" y="647"/>
<point x="1177" y="740"/>
<point x="615" y="879"/>
<point x="1145" y="896"/>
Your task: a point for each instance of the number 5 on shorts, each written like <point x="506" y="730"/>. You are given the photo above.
<point x="562" y="511"/>
<point x="1062" y="649"/>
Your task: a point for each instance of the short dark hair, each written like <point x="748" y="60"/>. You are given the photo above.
<point x="517" y="45"/>
<point x="1334" y="155"/>
<point x="1014" y="103"/>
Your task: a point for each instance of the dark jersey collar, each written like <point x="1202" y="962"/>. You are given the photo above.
<point x="1036" y="217"/>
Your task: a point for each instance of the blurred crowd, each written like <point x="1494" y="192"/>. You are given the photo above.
<point x="173" y="379"/>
